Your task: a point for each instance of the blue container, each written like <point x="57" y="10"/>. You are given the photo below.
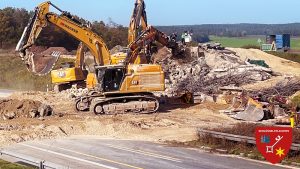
<point x="283" y="42"/>
<point x="279" y="41"/>
<point x="286" y="38"/>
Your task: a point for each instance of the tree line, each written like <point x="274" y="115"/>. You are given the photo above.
<point x="14" y="20"/>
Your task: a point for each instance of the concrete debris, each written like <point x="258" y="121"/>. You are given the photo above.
<point x="249" y="107"/>
<point x="279" y="112"/>
<point x="75" y="92"/>
<point x="216" y="46"/>
<point x="45" y="110"/>
<point x="251" y="113"/>
<point x="206" y="73"/>
<point x="9" y="115"/>
<point x="33" y="113"/>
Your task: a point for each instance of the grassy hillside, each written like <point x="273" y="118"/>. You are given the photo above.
<point x="14" y="75"/>
<point x="238" y="42"/>
<point x="295" y="43"/>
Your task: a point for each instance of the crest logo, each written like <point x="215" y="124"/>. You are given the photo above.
<point x="274" y="143"/>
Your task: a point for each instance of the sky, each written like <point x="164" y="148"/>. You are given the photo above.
<point x="177" y="12"/>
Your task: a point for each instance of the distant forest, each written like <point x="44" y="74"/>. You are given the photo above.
<point x="13" y="21"/>
<point x="201" y="32"/>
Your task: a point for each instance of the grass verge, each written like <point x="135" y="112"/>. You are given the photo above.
<point x="8" y="165"/>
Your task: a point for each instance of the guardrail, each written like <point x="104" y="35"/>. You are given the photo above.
<point x="239" y="138"/>
<point x="41" y="164"/>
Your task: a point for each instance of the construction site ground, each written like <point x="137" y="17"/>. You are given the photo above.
<point x="174" y="121"/>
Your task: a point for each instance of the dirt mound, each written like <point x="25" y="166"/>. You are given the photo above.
<point x="12" y="108"/>
<point x="277" y="64"/>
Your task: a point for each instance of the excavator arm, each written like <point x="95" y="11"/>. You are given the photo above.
<point x="147" y="37"/>
<point x="138" y="21"/>
<point x="65" y="21"/>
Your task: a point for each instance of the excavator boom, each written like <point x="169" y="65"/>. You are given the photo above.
<point x="66" y="22"/>
<point x="138" y="21"/>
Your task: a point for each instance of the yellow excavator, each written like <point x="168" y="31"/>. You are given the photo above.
<point x="69" y="74"/>
<point x="120" y="88"/>
<point x="128" y="88"/>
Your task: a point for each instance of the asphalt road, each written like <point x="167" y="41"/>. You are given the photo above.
<point x="5" y="93"/>
<point x="107" y="153"/>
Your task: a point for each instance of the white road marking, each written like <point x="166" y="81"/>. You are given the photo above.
<point x="68" y="156"/>
<point x="146" y="153"/>
<point x="88" y="155"/>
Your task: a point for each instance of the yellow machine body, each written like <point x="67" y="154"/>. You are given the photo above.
<point x="137" y="79"/>
<point x="66" y="75"/>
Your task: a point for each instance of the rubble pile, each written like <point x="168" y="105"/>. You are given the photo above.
<point x="13" y="108"/>
<point x="204" y="70"/>
<point x="286" y="88"/>
<point x="276" y="102"/>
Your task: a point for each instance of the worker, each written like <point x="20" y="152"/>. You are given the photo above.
<point x="292" y="119"/>
<point x="295" y="117"/>
<point x="173" y="37"/>
<point x="183" y="38"/>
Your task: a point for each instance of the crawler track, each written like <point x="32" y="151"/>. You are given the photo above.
<point x="124" y="104"/>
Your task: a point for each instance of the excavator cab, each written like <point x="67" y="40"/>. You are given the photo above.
<point x="113" y="78"/>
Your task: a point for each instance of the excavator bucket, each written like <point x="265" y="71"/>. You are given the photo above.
<point x="42" y="63"/>
<point x="253" y="112"/>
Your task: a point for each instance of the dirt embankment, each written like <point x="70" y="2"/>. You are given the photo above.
<point x="285" y="68"/>
<point x="277" y="64"/>
<point x="10" y="108"/>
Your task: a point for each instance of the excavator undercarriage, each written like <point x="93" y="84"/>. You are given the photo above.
<point x="140" y="104"/>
